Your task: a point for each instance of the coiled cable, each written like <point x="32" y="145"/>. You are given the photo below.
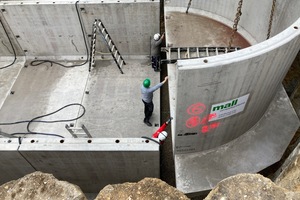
<point x="35" y="120"/>
<point x="39" y="62"/>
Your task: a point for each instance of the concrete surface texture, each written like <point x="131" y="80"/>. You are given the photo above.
<point x="204" y="92"/>
<point x="252" y="76"/>
<point x="59" y="32"/>
<point x="112" y="101"/>
<point x="251" y="152"/>
<point x="81" y="161"/>
<point x="57" y="29"/>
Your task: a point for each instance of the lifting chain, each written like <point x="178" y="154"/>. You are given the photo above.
<point x="271" y="18"/>
<point x="236" y="21"/>
<point x="187" y="9"/>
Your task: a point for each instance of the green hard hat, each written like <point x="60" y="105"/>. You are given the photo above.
<point x="146" y="82"/>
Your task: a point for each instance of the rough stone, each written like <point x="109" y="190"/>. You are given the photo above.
<point x="250" y="187"/>
<point x="290" y="177"/>
<point x="40" y="186"/>
<point x="146" y="189"/>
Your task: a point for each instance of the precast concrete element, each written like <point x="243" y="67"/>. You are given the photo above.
<point x="256" y="149"/>
<point x="9" y="75"/>
<point x="214" y="108"/>
<point x="13" y="165"/>
<point x="218" y="101"/>
<point x="89" y="163"/>
<point x="254" y="21"/>
<point x="112" y="101"/>
<point x="59" y="29"/>
<point x="206" y="87"/>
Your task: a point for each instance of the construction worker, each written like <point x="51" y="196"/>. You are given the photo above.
<point x="155" y="50"/>
<point x="147" y="96"/>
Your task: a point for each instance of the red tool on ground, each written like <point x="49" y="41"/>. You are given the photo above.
<point x="162" y="128"/>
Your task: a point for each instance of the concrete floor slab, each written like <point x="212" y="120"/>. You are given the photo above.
<point x="113" y="102"/>
<point x="114" y="106"/>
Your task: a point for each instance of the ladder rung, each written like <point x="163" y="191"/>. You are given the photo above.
<point x="121" y="65"/>
<point x="188" y="52"/>
<point x="109" y="43"/>
<point x="75" y="128"/>
<point x="82" y="133"/>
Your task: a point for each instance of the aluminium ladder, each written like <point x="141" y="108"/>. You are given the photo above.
<point x="111" y="45"/>
<point x="180" y="53"/>
<point x="78" y="132"/>
<point x="93" y="46"/>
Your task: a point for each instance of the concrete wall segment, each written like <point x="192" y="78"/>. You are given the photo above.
<point x="255" y="15"/>
<point x="13" y="165"/>
<point x="94" y="165"/>
<point x="9" y="76"/>
<point x="57" y="29"/>
<point x="259" y="76"/>
<point x="46" y="29"/>
<point x="89" y="163"/>
<point x="9" y="46"/>
<point x="261" y="146"/>
<point x="291" y="33"/>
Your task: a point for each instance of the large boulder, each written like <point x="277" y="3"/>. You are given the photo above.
<point x="146" y="189"/>
<point x="40" y="186"/>
<point x="250" y="187"/>
<point x="290" y="176"/>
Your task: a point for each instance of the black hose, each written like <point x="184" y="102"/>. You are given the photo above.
<point x="39" y="62"/>
<point x="12" y="46"/>
<point x="145" y="137"/>
<point x="45" y="121"/>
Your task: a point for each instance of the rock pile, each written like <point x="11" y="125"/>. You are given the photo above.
<point x="250" y="187"/>
<point x="40" y="186"/>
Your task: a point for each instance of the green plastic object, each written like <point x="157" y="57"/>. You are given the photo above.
<point x="146" y="82"/>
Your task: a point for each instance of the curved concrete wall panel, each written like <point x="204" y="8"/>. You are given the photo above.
<point x="231" y="114"/>
<point x="202" y="83"/>
<point x="255" y="14"/>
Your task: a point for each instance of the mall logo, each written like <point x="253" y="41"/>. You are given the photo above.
<point x="224" y="106"/>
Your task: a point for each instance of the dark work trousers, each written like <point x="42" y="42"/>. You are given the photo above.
<point x="148" y="110"/>
<point x="155" y="62"/>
